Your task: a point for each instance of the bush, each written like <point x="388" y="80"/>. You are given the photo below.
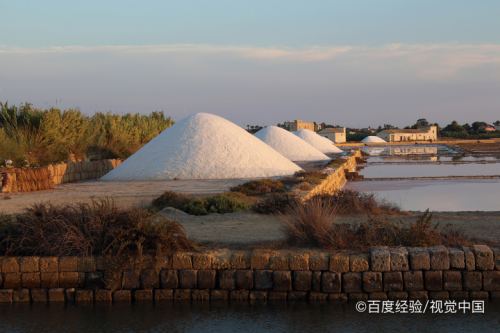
<point x="171" y="199"/>
<point x="89" y="229"/>
<point x="275" y="203"/>
<point x="352" y="202"/>
<point x="225" y="203"/>
<point x="260" y="187"/>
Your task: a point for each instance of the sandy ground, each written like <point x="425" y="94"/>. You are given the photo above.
<point x="250" y="228"/>
<point x="125" y="194"/>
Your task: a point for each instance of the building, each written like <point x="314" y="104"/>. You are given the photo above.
<point x="336" y="134"/>
<point x="428" y="133"/>
<point x="299" y="124"/>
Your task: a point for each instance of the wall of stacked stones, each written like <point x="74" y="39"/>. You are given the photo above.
<point x="259" y="275"/>
<point x="337" y="179"/>
<point x="36" y="179"/>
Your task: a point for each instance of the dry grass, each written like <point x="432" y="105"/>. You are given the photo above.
<point x="312" y="223"/>
<point x="89" y="229"/>
<point x="347" y="202"/>
<point x="260" y="187"/>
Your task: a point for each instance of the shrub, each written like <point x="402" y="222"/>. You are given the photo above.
<point x="98" y="228"/>
<point x="353" y="202"/>
<point x="171" y="199"/>
<point x="195" y="207"/>
<point x="260" y="187"/>
<point x="313" y="177"/>
<point x="225" y="203"/>
<point x="274" y="203"/>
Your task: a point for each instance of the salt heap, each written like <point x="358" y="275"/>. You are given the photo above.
<point x="323" y="144"/>
<point x="373" y="139"/>
<point x="289" y="145"/>
<point x="203" y="146"/>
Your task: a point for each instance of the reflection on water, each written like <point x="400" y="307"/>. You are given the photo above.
<point x="430" y="170"/>
<point x="446" y="195"/>
<point x="235" y="318"/>
<point x="407" y="150"/>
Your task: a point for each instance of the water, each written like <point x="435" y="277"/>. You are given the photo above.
<point x="300" y="317"/>
<point x="430" y="170"/>
<point x="442" y="195"/>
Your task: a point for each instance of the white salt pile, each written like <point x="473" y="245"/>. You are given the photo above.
<point x="289" y="145"/>
<point x="203" y="146"/>
<point x="321" y="143"/>
<point x="373" y="139"/>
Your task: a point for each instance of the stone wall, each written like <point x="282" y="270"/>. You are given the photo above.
<point x="36" y="179"/>
<point x="258" y="275"/>
<point x="336" y="180"/>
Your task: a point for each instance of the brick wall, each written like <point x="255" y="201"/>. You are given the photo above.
<point x="259" y="275"/>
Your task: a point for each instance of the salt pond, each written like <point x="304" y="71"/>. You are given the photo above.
<point x="430" y="170"/>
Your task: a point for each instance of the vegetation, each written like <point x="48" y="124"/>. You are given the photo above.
<point x="312" y="223"/>
<point x="89" y="229"/>
<point x="274" y="203"/>
<point x="348" y="202"/>
<point x="31" y="136"/>
<point x="221" y="203"/>
<point x="260" y="187"/>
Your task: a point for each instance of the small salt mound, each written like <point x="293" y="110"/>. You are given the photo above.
<point x="203" y="146"/>
<point x="289" y="145"/>
<point x="373" y="139"/>
<point x="319" y="142"/>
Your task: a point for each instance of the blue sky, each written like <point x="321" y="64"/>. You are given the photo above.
<point x="358" y="62"/>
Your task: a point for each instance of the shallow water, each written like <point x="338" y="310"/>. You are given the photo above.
<point x="299" y="317"/>
<point x="441" y="195"/>
<point x="430" y="170"/>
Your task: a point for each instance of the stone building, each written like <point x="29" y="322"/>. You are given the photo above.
<point x="336" y="134"/>
<point x="297" y="124"/>
<point x="420" y="134"/>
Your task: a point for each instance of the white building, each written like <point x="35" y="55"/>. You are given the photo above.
<point x="421" y="134"/>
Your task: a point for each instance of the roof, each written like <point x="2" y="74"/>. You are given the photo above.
<point x="332" y="130"/>
<point x="407" y="130"/>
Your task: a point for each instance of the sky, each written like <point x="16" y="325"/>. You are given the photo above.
<point x="352" y="63"/>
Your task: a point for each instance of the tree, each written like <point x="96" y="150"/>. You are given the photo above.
<point x="454" y="127"/>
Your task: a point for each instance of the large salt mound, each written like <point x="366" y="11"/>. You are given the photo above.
<point x="373" y="139"/>
<point x="289" y="145"/>
<point x="203" y="146"/>
<point x="321" y="143"/>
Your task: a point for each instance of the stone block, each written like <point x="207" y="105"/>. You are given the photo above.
<point x="182" y="260"/>
<point x="86" y="264"/>
<point x="380" y="259"/>
<point x="143" y="296"/>
<point x="258" y="296"/>
<point x="339" y="262"/>
<point x="452" y="280"/>
<point x="316" y="281"/>
<point x="239" y="295"/>
<point x="484" y="257"/>
<point x="84" y="296"/>
<point x="355" y="297"/>
<point x="202" y="261"/>
<point x="103" y="296"/>
<point x="94" y="280"/>
<point x="338" y="297"/>
<point x="56" y="295"/>
<point x="294" y="296"/>
<point x="163" y="295"/>
<point x="479" y="295"/>
<point x="351" y="282"/>
<point x="30" y="264"/>
<point x="244" y="279"/>
<point x="359" y="262"/>
<point x="227" y="280"/>
<point x="221" y="259"/>
<point x="459" y="295"/>
<point x="69" y="294"/>
<point x="378" y="295"/>
<point x="68" y="264"/>
<point x="331" y="282"/>
<point x="39" y="295"/>
<point x="260" y="259"/>
<point x="200" y="295"/>
<point x="131" y="279"/>
<point x="122" y="296"/>
<point x="169" y="279"/>
<point x="399" y="259"/>
<point x="21" y="296"/>
<point x="282" y="280"/>
<point x="49" y="279"/>
<point x="302" y="280"/>
<point x="219" y="295"/>
<point x="30" y="280"/>
<point x="419" y="258"/>
<point x="299" y="261"/>
<point x="206" y="279"/>
<point x="319" y="261"/>
<point x="457" y="258"/>
<point x="491" y="280"/>
<point x="10" y="265"/>
<point x="187" y="278"/>
<point x="418" y="295"/>
<point x="263" y="279"/>
<point x="280" y="296"/>
<point x="6" y="295"/>
<point x="397" y="295"/>
<point x="315" y="297"/>
<point x="433" y="280"/>
<point x="413" y="281"/>
<point x="393" y="281"/>
<point x="279" y="261"/>
<point x="240" y="260"/>
<point x="496" y="254"/>
<point x="440" y="259"/>
<point x="470" y="260"/>
<point x="439" y="295"/>
<point x="473" y="281"/>
<point x="11" y="280"/>
<point x="372" y="281"/>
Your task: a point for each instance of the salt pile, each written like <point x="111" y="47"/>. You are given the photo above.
<point x="373" y="139"/>
<point x="323" y="144"/>
<point x="289" y="145"/>
<point x="203" y="146"/>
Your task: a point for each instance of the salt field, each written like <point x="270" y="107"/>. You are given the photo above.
<point x="430" y="170"/>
